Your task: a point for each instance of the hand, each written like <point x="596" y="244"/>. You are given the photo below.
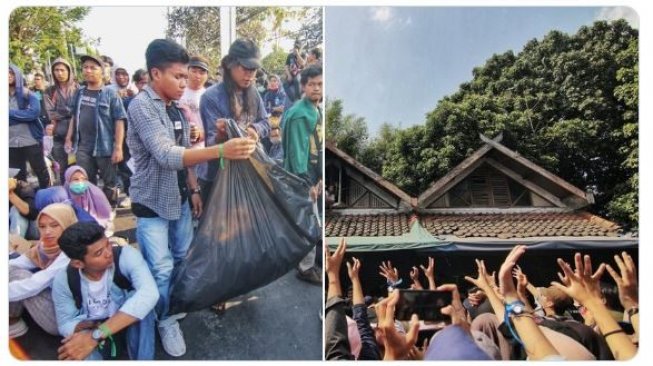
<point x="221" y="125"/>
<point x="522" y="280"/>
<point x="314" y="192"/>
<point x="194" y="133"/>
<point x="429" y="272"/>
<point x="417" y="353"/>
<point x="389" y="272"/>
<point x="252" y="134"/>
<point x="353" y="268"/>
<point x="574" y="284"/>
<point x="238" y="148"/>
<point x="334" y="261"/>
<point x="13" y="183"/>
<point x="396" y="345"/>
<point x="506" y="286"/>
<point x="84" y="325"/>
<point x="77" y="346"/>
<point x="414" y="276"/>
<point x="117" y="157"/>
<point x="591" y="279"/>
<point x="196" y="202"/>
<point x="626" y="281"/>
<point x="481" y="280"/>
<point x="455" y="310"/>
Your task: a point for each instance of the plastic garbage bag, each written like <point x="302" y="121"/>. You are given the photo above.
<point x="258" y="224"/>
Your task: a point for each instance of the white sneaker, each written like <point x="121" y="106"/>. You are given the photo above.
<point x="126" y="203"/>
<point x="18" y="329"/>
<point x="178" y="316"/>
<point x="172" y="339"/>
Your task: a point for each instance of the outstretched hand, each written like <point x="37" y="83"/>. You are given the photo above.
<point x="353" y="268"/>
<point x="414" y="276"/>
<point x="626" y="280"/>
<point x="429" y="272"/>
<point x="389" y="272"/>
<point x="576" y="283"/>
<point x="455" y="310"/>
<point x="481" y="280"/>
<point x="334" y="261"/>
<point x="506" y="285"/>
<point x="397" y="345"/>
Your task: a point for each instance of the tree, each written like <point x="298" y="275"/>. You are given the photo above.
<point x="275" y="61"/>
<point x="198" y="28"/>
<point x="348" y="133"/>
<point x="567" y="102"/>
<point x="38" y="34"/>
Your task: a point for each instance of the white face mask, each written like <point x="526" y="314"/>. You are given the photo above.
<point x="275" y="140"/>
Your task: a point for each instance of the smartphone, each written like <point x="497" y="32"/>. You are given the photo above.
<point x="425" y="303"/>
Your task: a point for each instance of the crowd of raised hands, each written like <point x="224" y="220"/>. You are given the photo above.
<point x="512" y="328"/>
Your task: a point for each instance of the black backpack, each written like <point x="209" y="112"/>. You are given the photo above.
<point x="74" y="280"/>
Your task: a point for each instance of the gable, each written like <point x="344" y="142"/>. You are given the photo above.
<point x="485" y="186"/>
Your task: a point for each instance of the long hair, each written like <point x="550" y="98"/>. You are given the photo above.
<point x="250" y="104"/>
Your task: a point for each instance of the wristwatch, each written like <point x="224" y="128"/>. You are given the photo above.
<point x="196" y="190"/>
<point x="515" y="308"/>
<point x="97" y="335"/>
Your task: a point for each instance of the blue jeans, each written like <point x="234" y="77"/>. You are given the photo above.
<point x="164" y="244"/>
<point x="20" y="225"/>
<point x="140" y="340"/>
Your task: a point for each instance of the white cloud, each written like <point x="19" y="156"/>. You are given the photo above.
<point x="382" y="14"/>
<point x="614" y="13"/>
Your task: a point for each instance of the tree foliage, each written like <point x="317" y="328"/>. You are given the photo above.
<point x="37" y="34"/>
<point x="567" y="102"/>
<point x="199" y="27"/>
<point x="349" y="132"/>
<point x="275" y="61"/>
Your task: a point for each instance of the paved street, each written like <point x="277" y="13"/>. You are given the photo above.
<point x="276" y="322"/>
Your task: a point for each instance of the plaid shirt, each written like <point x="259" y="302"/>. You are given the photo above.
<point x="151" y="141"/>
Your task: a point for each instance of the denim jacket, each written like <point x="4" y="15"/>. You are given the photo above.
<point x="137" y="303"/>
<point x="108" y="110"/>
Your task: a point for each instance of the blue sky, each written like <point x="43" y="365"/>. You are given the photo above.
<point x="392" y="64"/>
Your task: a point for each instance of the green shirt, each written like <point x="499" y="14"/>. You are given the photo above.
<point x="299" y="128"/>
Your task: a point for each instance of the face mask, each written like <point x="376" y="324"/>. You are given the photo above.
<point x="78" y="187"/>
<point x="275" y="140"/>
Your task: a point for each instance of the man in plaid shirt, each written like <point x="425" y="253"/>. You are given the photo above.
<point x="163" y="185"/>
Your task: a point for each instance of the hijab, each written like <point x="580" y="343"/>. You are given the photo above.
<point x="62" y="213"/>
<point x="92" y="200"/>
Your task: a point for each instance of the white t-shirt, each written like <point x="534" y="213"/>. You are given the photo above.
<point x="98" y="300"/>
<point x="191" y="99"/>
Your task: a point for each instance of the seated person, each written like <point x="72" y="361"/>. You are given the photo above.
<point x="58" y="194"/>
<point x="105" y="298"/>
<point x="31" y="274"/>
<point x="22" y="214"/>
<point x="87" y="195"/>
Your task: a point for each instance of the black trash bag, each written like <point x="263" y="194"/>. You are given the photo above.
<point x="258" y="224"/>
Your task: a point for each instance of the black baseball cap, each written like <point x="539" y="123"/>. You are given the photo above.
<point x="246" y="53"/>
<point x="95" y="59"/>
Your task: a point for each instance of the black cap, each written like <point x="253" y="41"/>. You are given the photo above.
<point x="95" y="59"/>
<point x="198" y="63"/>
<point x="246" y="53"/>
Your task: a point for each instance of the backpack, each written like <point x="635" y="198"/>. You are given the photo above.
<point x="74" y="280"/>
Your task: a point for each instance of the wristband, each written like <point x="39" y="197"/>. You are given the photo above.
<point x="606" y="335"/>
<point x="107" y="335"/>
<point x="221" y="155"/>
<point x="515" y="308"/>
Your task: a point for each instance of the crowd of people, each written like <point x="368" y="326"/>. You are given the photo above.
<point x="159" y="137"/>
<point x="504" y="317"/>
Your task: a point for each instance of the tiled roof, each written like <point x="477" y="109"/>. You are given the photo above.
<point x="518" y="225"/>
<point x="367" y="225"/>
